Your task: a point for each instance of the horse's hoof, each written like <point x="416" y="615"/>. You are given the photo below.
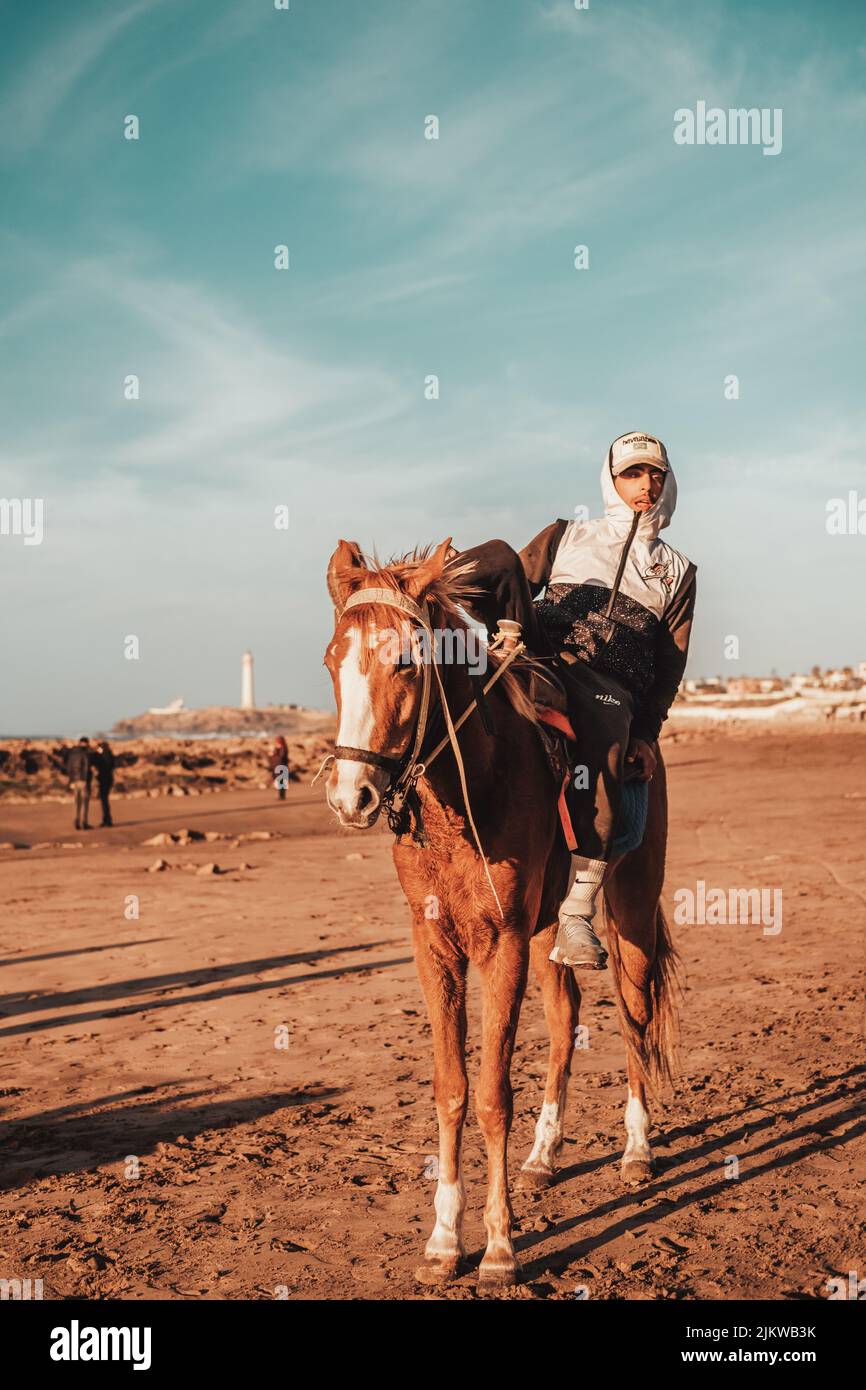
<point x="441" y="1269"/>
<point x="535" y="1177"/>
<point x="637" y="1171"/>
<point x="498" y="1276"/>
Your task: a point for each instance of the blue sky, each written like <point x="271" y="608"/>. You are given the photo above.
<point x="411" y="257"/>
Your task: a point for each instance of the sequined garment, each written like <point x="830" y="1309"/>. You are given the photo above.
<point x="572" y="616"/>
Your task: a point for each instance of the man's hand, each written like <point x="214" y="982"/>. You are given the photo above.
<point x="642" y="756"/>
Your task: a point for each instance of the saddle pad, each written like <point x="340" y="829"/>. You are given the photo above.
<point x="632" y="817"/>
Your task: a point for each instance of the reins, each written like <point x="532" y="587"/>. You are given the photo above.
<point x="609" y="620"/>
<point x="401" y="796"/>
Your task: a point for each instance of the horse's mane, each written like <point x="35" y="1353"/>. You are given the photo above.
<point x="447" y="596"/>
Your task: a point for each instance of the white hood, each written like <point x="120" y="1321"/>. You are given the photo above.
<point x="589" y="551"/>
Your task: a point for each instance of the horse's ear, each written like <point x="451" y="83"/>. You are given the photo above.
<point x="429" y="570"/>
<point x="345" y="559"/>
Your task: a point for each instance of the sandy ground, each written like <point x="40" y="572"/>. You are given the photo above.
<point x="158" y="1140"/>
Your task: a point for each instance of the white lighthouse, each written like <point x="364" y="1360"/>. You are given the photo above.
<point x="247" y="697"/>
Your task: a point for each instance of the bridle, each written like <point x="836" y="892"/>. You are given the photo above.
<point x="400" y="799"/>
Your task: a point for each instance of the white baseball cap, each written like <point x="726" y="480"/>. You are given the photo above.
<point x="629" y="449"/>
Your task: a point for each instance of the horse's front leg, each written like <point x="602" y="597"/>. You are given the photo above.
<point x="503" y="977"/>
<point x="442" y="972"/>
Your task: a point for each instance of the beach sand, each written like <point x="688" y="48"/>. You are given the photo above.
<point x="229" y="1095"/>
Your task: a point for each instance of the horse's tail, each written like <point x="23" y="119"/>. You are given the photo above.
<point x="653" y="1046"/>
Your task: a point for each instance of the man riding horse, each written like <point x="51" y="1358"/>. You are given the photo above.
<point x="618" y="611"/>
<point x="479" y="848"/>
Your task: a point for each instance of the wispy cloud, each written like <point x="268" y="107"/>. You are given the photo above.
<point x="217" y="396"/>
<point x="30" y="105"/>
<point x="538" y="147"/>
<point x="220" y="30"/>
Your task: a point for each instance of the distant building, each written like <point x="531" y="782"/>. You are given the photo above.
<point x="705" y="685"/>
<point x="746" y="685"/>
<point x="248" y="700"/>
<point x="173" y="708"/>
<point x="842" y="679"/>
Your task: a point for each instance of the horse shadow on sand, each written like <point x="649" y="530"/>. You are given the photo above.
<point x="72" y="1138"/>
<point x="644" y="1206"/>
<point x="157" y="989"/>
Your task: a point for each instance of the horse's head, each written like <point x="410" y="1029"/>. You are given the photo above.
<point x="375" y="659"/>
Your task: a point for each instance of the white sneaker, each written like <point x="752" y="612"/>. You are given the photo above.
<point x="578" y="946"/>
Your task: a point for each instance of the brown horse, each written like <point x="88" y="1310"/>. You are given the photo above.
<point x="498" y="911"/>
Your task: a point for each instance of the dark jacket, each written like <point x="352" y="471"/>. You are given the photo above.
<point x="279" y="755"/>
<point x="103" y="762"/>
<point x="645" y="653"/>
<point x="79" y="764"/>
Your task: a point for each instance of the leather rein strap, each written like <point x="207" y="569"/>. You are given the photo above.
<point x="366" y="755"/>
<point x="611" y="621"/>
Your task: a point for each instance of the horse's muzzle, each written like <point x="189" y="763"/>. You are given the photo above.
<point x="356" y="799"/>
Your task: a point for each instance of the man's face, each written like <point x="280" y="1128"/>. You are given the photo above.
<point x="640" y="485"/>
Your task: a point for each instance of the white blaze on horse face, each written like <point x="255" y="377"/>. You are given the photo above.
<point x="356" y="710"/>
<point x="637" y="1123"/>
<point x="357" y="722"/>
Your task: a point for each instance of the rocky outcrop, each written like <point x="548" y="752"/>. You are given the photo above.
<point x="35" y="770"/>
<point x="222" y="719"/>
